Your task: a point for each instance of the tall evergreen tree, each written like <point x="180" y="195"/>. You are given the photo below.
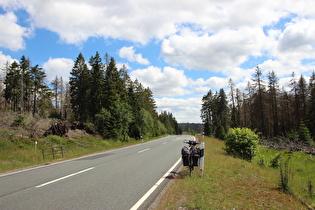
<point x="12" y="91"/>
<point x="24" y="82"/>
<point x="258" y="105"/>
<point x="80" y="90"/>
<point x="311" y="111"/>
<point x="223" y="111"/>
<point x="302" y="97"/>
<point x="207" y="113"/>
<point x="39" y="89"/>
<point x="97" y="85"/>
<point x="273" y="102"/>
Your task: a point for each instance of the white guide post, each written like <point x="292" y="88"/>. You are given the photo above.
<point x="201" y="162"/>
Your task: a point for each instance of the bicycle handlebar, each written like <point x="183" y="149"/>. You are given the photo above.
<point x="191" y="142"/>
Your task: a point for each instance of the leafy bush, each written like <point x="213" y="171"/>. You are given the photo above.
<point x="242" y="142"/>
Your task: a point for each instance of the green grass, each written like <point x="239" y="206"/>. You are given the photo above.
<point x="302" y="172"/>
<point x="232" y="183"/>
<point x="17" y="153"/>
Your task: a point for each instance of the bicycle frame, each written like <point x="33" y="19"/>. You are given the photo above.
<point x="193" y="158"/>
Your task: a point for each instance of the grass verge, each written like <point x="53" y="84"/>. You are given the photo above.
<point x="18" y="152"/>
<point x="232" y="183"/>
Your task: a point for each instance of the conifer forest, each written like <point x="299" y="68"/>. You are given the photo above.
<point x="265" y="107"/>
<point x="98" y="95"/>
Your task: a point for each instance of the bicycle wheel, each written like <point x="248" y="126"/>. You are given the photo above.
<point x="191" y="164"/>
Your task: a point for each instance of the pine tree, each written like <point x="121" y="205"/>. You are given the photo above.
<point x="39" y="89"/>
<point x="12" y="91"/>
<point x="311" y="111"/>
<point x="24" y="82"/>
<point x="80" y="90"/>
<point x="207" y="112"/>
<point x="273" y="103"/>
<point x="223" y="111"/>
<point x="96" y="85"/>
<point x="258" y="106"/>
<point x="302" y="97"/>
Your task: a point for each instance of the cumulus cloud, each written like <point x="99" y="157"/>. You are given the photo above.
<point x="141" y="20"/>
<point x="75" y="21"/>
<point x="298" y="37"/>
<point x="224" y="50"/>
<point x="163" y="82"/>
<point x="219" y="36"/>
<point x="130" y="55"/>
<point x="60" y="67"/>
<point x="12" y="34"/>
<point x="185" y="110"/>
<point x="4" y="59"/>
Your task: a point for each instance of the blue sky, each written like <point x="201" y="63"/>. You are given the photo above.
<point x="180" y="48"/>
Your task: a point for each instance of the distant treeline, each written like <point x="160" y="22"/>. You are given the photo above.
<point x="264" y="107"/>
<point x="191" y="128"/>
<point x="99" y="95"/>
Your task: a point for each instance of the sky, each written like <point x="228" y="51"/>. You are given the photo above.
<point x="180" y="49"/>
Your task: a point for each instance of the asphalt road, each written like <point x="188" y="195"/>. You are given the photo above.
<point x="116" y="179"/>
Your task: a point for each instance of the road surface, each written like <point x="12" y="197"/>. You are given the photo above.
<point x="117" y="179"/>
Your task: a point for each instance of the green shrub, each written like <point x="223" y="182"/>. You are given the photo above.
<point x="54" y="139"/>
<point x="261" y="161"/>
<point x="275" y="162"/>
<point x="19" y="122"/>
<point x="304" y="133"/>
<point x="242" y="142"/>
<point x="220" y="132"/>
<point x="292" y="135"/>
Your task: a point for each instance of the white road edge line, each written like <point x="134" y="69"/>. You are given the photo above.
<point x="70" y="175"/>
<point x="144" y="150"/>
<point x="141" y="201"/>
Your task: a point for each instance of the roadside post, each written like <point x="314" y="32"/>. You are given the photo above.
<point x="201" y="162"/>
<point x="35" y="145"/>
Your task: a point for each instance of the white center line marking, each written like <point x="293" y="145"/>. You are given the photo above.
<point x="144" y="150"/>
<point x="70" y="175"/>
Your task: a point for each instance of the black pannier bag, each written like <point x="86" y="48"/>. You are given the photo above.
<point x="196" y="155"/>
<point x="185" y="153"/>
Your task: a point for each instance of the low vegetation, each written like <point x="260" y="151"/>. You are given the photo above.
<point x="234" y="183"/>
<point x="19" y="152"/>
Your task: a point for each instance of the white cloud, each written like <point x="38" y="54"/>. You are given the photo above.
<point x="142" y="20"/>
<point x="166" y="82"/>
<point x="130" y="55"/>
<point x="298" y="39"/>
<point x="11" y="34"/>
<point x="60" y="67"/>
<point x="184" y="110"/>
<point x="219" y="52"/>
<point x="217" y="35"/>
<point x="4" y="59"/>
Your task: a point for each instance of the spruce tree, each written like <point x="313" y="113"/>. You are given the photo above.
<point x="96" y="85"/>
<point x="80" y="89"/>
